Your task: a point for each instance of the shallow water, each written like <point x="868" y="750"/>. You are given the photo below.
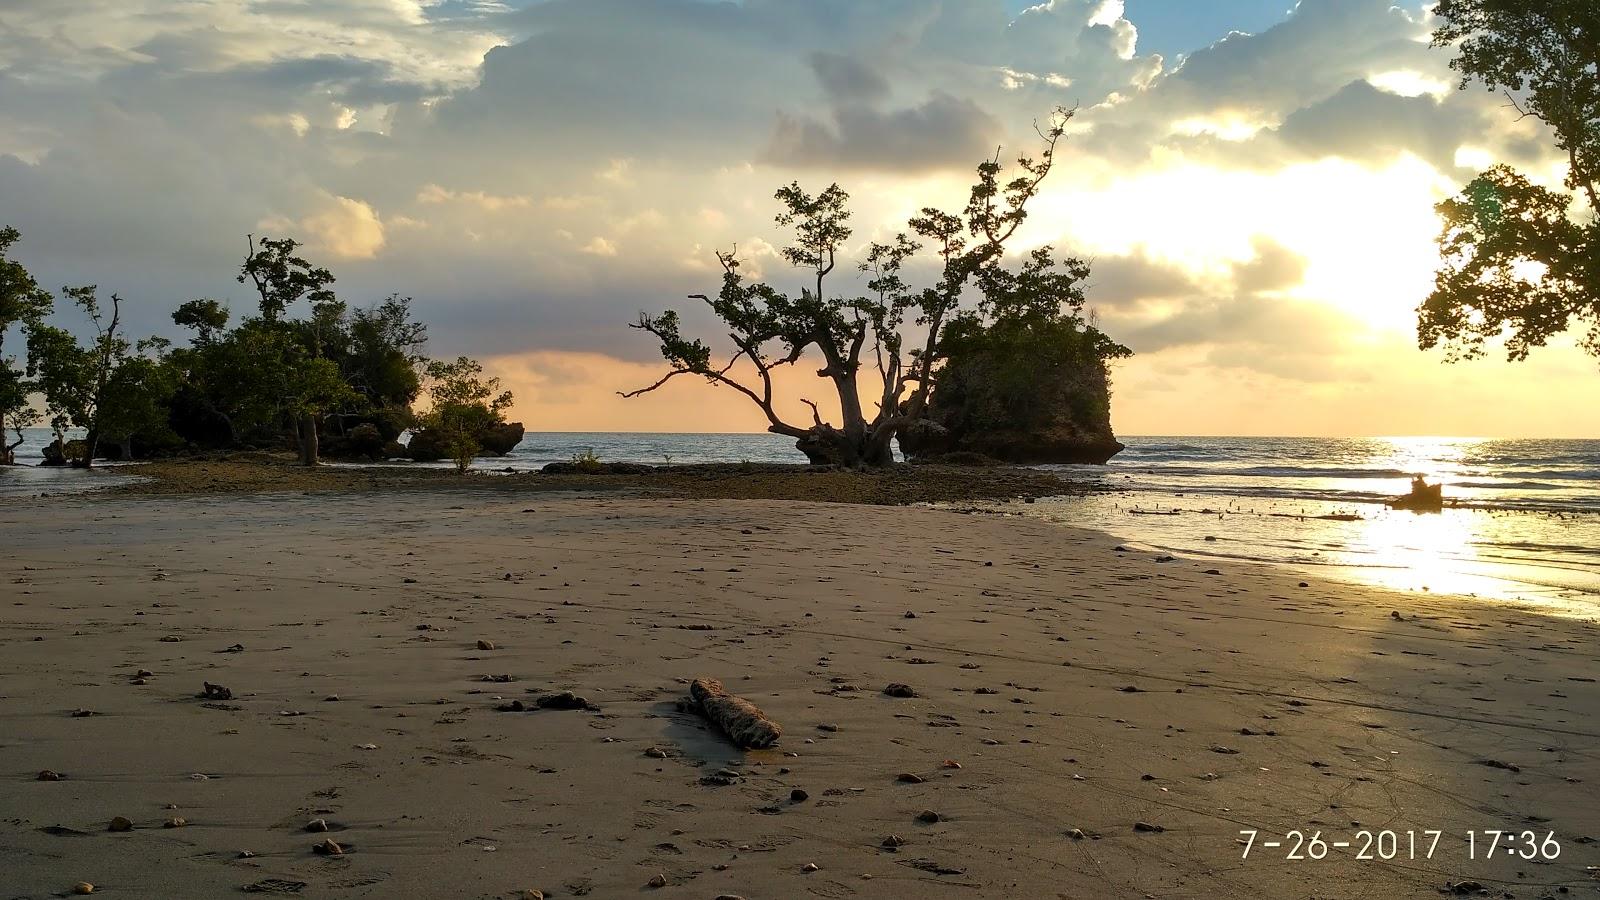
<point x="1526" y="527"/>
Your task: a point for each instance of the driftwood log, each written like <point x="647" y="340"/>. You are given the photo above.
<point x="746" y="725"/>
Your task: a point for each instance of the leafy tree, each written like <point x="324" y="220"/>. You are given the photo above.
<point x="307" y="384"/>
<point x="208" y="318"/>
<point x="282" y="279"/>
<point x="22" y="304"/>
<point x="74" y="378"/>
<point x="465" y="406"/>
<point x="1027" y="332"/>
<point x="383" y="362"/>
<point x="1519" y="261"/>
<point x="770" y="329"/>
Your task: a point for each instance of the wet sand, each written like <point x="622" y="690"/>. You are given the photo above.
<point x="1080" y="690"/>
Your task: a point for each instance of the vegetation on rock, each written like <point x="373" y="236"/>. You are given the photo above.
<point x="900" y="331"/>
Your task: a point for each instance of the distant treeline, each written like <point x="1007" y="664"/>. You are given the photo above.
<point x="305" y="371"/>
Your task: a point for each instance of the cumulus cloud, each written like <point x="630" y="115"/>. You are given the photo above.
<point x="536" y="175"/>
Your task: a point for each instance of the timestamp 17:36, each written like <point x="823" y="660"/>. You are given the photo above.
<point x="1485" y="843"/>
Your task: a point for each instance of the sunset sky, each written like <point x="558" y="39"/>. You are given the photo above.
<point x="1254" y="183"/>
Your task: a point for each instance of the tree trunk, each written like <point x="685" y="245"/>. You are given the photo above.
<point x="91" y="442"/>
<point x="828" y="446"/>
<point x="308" y="440"/>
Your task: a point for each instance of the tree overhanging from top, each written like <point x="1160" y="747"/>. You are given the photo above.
<point x="1521" y="262"/>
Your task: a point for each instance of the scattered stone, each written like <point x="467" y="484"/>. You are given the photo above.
<point x="317" y="826"/>
<point x="211" y="691"/>
<point x="564" y="700"/>
<point x="328" y="847"/>
<point x="532" y="894"/>
<point x="798" y="796"/>
<point x="1146" y="826"/>
<point x="1463" y="887"/>
<point x="910" y="615"/>
<point x="83" y="887"/>
<point x="1226" y="751"/>
<point x="909" y="778"/>
<point x="246" y="854"/>
<point x="657" y="880"/>
<point x="951" y="764"/>
<point x="120" y="823"/>
<point x="486" y="645"/>
<point x="1076" y="834"/>
<point x="929" y="817"/>
<point x="513" y="706"/>
<point x="810" y="867"/>
<point x="896" y="689"/>
<point x="175" y="822"/>
<point x="655" y="753"/>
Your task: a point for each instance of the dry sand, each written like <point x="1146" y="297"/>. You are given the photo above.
<point x="1076" y="687"/>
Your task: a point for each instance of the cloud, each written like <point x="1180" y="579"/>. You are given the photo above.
<point x="943" y="132"/>
<point x="345" y="229"/>
<point x="535" y="173"/>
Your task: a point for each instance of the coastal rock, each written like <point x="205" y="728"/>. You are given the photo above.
<point x="1018" y="398"/>
<point x="596" y="468"/>
<point x="502" y="439"/>
<point x="58" y="454"/>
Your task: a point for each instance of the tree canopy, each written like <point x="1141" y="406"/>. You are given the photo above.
<point x="301" y="372"/>
<point x="899" y="324"/>
<point x="1521" y="261"/>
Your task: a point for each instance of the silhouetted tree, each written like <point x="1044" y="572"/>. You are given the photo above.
<point x="1518" y="262"/>
<point x="770" y="329"/>
<point x="74" y="378"/>
<point x="465" y="406"/>
<point x="22" y="304"/>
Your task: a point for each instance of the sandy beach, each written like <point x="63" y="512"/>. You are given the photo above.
<point x="1087" y="722"/>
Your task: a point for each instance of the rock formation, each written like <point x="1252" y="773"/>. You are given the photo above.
<point x="1018" y="408"/>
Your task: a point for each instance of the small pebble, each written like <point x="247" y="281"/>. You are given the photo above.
<point x="657" y="880"/>
<point x="810" y="867"/>
<point x="909" y="778"/>
<point x="83" y="887"/>
<point x="798" y="796"/>
<point x="928" y="816"/>
<point x="486" y="645"/>
<point x="175" y="822"/>
<point x="317" y="825"/>
<point x="120" y="823"/>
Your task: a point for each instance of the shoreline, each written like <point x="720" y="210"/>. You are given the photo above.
<point x="1335" y="704"/>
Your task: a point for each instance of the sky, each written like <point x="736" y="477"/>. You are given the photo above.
<point x="1253" y="181"/>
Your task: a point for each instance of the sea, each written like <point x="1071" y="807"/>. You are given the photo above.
<point x="1523" y="525"/>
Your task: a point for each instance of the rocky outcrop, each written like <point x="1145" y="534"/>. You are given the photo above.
<point x="55" y="454"/>
<point x="1017" y="412"/>
<point x="595" y="467"/>
<point x="425" y="446"/>
<point x="502" y="439"/>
